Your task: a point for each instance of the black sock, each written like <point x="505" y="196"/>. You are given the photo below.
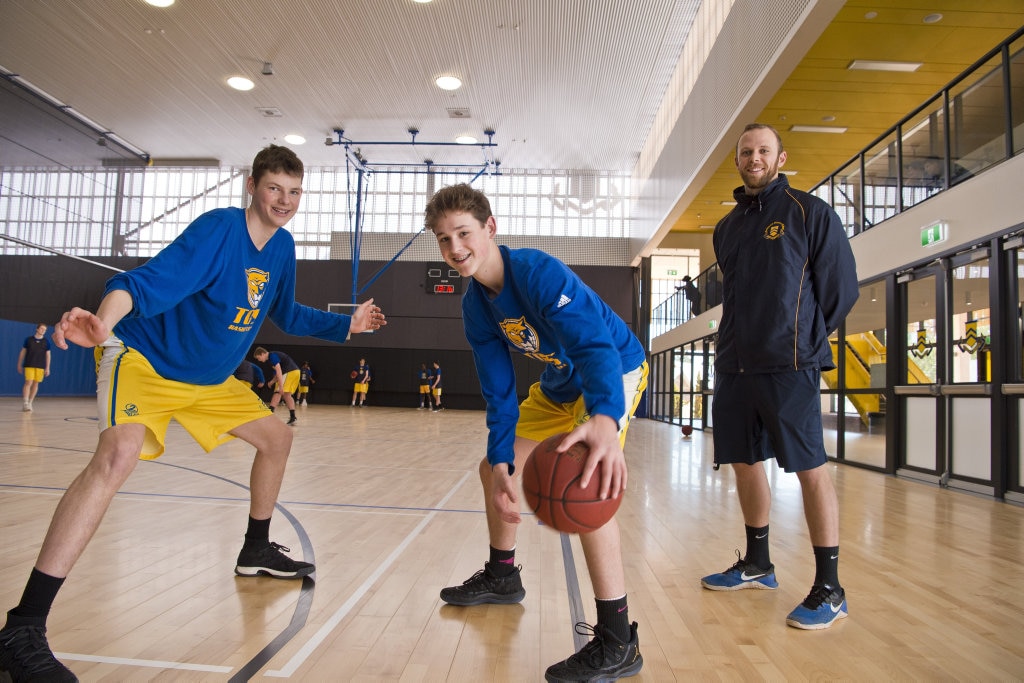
<point x="258" y="531"/>
<point x="757" y="547"/>
<point x="40" y="592"/>
<point x="826" y="566"/>
<point x="614" y="616"/>
<point x="502" y="562"/>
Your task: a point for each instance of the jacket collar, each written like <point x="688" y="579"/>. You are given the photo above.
<point x="756" y="202"/>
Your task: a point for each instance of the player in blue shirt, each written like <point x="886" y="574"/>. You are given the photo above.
<point x="171" y="333"/>
<point x="526" y="301"/>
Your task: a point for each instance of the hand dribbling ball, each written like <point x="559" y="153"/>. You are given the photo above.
<point x="551" y="486"/>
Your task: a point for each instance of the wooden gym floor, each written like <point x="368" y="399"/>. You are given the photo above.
<point x="387" y="503"/>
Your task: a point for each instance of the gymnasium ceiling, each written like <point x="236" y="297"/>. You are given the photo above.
<point x="563" y="84"/>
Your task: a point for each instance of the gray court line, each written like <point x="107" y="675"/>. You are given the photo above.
<point x="299" y="658"/>
<point x="573" y="584"/>
<point x="302" y="606"/>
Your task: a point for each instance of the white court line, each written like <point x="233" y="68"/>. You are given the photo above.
<point x="313" y="643"/>
<point x="152" y="663"/>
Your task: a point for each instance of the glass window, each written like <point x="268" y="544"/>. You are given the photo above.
<point x="969" y="324"/>
<point x="921" y="347"/>
<point x="846" y="195"/>
<point x="977" y="121"/>
<point x="923" y="142"/>
<point x="881" y="164"/>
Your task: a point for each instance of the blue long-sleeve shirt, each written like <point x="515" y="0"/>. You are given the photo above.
<point x="200" y="302"/>
<point x="546" y="312"/>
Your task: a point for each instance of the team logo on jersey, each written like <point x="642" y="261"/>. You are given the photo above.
<point x="131" y="410"/>
<point x="774" y="231"/>
<point x="521" y="334"/>
<point x="257" y="280"/>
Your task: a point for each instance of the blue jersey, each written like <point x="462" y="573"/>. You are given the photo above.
<point x="546" y="312"/>
<point x="200" y="302"/>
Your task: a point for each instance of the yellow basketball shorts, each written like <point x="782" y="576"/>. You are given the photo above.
<point x="361" y="387"/>
<point x="291" y="381"/>
<point x="130" y="391"/>
<point x="437" y="391"/>
<point x="424" y="388"/>
<point x="303" y="389"/>
<point x="34" y="374"/>
<point x="540" y="417"/>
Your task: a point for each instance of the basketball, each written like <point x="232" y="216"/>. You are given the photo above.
<point x="551" y="486"/>
<point x="687" y="431"/>
<point x="353" y="374"/>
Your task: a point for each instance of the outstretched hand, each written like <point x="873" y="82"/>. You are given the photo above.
<point x="80" y="327"/>
<point x="367" y="317"/>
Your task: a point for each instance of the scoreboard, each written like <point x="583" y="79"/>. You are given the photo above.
<point x="441" y="279"/>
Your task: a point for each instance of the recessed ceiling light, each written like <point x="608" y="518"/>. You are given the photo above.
<point x="448" y="83"/>
<point x="875" y="65"/>
<point x="818" y="129"/>
<point x="728" y="203"/>
<point x="932" y="18"/>
<point x="160" y="3"/>
<point x="294" y="139"/>
<point x="241" y="83"/>
<point x="788" y="172"/>
<point x="422" y="2"/>
<point x="870" y="15"/>
<point x="466" y="140"/>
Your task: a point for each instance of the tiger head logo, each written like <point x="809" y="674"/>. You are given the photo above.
<point x="257" y="283"/>
<point x="521" y="334"/>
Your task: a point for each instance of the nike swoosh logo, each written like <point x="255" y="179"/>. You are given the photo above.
<point x="834" y="557"/>
<point x="750" y="577"/>
<point x="761" y="537"/>
<point x="835" y="608"/>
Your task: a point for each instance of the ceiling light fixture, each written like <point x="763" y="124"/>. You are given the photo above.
<point x="881" y="65"/>
<point x="466" y="140"/>
<point x="838" y="130"/>
<point x="448" y="83"/>
<point x="241" y="83"/>
<point x="933" y="18"/>
<point x="294" y="139"/>
<point x="728" y="203"/>
<point x="160" y="3"/>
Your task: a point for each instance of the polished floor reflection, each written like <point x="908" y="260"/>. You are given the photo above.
<point x="387" y="503"/>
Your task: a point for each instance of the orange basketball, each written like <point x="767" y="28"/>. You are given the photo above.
<point x="551" y="486"/>
<point x="353" y="374"/>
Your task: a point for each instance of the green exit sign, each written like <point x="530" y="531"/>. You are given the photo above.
<point x="934" y="233"/>
<point x="673" y="272"/>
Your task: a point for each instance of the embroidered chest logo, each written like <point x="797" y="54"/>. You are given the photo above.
<point x="774" y="231"/>
<point x="256" y="286"/>
<point x="257" y="280"/>
<point x="521" y="334"/>
<point x="131" y="410"/>
<point x="523" y="337"/>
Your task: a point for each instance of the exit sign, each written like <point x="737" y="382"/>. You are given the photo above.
<point x="673" y="272"/>
<point x="934" y="233"/>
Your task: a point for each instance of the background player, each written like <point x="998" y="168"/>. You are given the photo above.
<point x="34" y="363"/>
<point x="361" y="376"/>
<point x="285" y="380"/>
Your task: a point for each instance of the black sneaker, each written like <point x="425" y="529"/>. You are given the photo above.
<point x="486" y="588"/>
<point x="268" y="560"/>
<point x="604" y="658"/>
<point x="291" y="420"/>
<point x="26" y="656"/>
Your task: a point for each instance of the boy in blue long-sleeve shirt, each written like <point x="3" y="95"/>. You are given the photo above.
<point x="526" y="301"/>
<point x="171" y="333"/>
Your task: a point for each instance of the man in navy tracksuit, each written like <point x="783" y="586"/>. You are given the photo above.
<point x="789" y="279"/>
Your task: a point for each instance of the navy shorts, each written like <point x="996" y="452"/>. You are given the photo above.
<point x="774" y="415"/>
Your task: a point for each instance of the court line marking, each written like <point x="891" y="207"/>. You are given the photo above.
<point x="151" y="663"/>
<point x="300" y="657"/>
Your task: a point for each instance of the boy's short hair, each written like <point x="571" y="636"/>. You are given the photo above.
<point x="276" y="159"/>
<point x="459" y="198"/>
<point x="260" y="351"/>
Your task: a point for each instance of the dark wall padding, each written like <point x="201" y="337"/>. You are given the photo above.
<point x="421" y="327"/>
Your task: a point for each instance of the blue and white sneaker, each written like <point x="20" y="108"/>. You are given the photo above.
<point x="742" y="575"/>
<point x="823" y="606"/>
